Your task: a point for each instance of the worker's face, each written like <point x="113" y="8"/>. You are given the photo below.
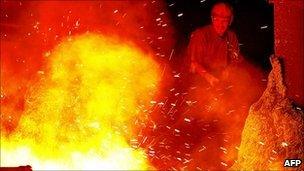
<point x="221" y="18"/>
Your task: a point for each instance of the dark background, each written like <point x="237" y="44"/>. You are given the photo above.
<point x="250" y="19"/>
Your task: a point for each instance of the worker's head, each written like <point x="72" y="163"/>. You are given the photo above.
<point x="221" y="16"/>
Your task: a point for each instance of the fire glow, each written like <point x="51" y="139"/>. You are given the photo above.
<point x="76" y="78"/>
<point x="89" y="85"/>
<point x="78" y="116"/>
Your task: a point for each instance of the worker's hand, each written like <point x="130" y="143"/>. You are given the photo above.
<point x="212" y="80"/>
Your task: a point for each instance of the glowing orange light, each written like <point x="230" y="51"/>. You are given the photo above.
<point x="79" y="114"/>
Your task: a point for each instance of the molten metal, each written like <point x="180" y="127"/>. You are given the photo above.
<point x="79" y="114"/>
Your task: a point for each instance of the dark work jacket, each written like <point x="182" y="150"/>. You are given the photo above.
<point x="214" y="53"/>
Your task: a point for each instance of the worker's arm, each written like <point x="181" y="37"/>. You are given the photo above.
<point x="195" y="52"/>
<point x="197" y="68"/>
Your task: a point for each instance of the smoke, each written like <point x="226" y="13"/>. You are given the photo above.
<point x="197" y="126"/>
<point x="219" y="113"/>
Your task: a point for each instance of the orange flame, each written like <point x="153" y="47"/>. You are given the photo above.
<point x="78" y="115"/>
